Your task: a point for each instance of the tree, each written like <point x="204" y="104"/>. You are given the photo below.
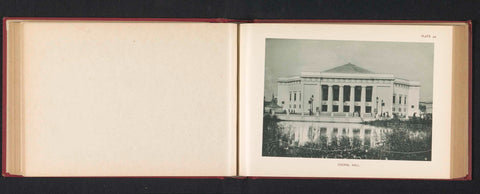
<point x="422" y="108"/>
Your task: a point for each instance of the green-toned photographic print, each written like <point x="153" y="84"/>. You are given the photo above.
<point x="348" y="99"/>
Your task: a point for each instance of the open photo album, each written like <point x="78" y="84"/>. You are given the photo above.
<point x="86" y="97"/>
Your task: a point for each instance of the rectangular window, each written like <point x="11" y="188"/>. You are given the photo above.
<point x="393" y="109"/>
<point x="290" y="96"/>
<point x="405" y="100"/>
<point x="324" y="108"/>
<point x="300" y="96"/>
<point x="299" y="106"/>
<point x="324" y="92"/>
<point x="358" y="93"/>
<point x="368" y="93"/>
<point x="368" y="109"/>
<point x="335" y="108"/>
<point x="336" y="90"/>
<point x="346" y="93"/>
<point x="295" y="96"/>
<point x="400" y="100"/>
<point x="323" y="131"/>
<point x="294" y="106"/>
<point x="394" y="97"/>
<point x="346" y="108"/>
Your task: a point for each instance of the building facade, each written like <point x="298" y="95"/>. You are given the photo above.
<point x="348" y="90"/>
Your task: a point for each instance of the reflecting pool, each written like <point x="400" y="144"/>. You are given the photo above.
<point x="345" y="141"/>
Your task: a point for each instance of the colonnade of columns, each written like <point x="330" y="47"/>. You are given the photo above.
<point x="341" y="101"/>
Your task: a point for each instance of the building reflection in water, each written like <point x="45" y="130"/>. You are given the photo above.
<point x="348" y="140"/>
<point x="327" y="134"/>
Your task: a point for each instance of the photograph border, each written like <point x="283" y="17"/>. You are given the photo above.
<point x="251" y="95"/>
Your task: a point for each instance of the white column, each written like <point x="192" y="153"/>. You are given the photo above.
<point x="318" y="97"/>
<point x="330" y="99"/>
<point x="374" y="100"/>
<point x="352" y="98"/>
<point x="362" y="101"/>
<point x="290" y="98"/>
<point x="340" y="98"/>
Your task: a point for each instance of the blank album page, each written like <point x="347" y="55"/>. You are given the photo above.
<point x="129" y="98"/>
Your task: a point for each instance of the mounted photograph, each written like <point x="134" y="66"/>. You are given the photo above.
<point x="342" y="99"/>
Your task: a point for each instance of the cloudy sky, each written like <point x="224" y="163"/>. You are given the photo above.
<point x="289" y="57"/>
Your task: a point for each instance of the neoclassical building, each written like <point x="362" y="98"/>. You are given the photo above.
<point x="348" y="90"/>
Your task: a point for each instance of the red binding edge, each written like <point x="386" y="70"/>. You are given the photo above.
<point x="470" y="63"/>
<point x="4" y="98"/>
<point x="4" y="103"/>
<point x="350" y="21"/>
<point x="468" y="177"/>
<point x="212" y="20"/>
<point x="224" y="20"/>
